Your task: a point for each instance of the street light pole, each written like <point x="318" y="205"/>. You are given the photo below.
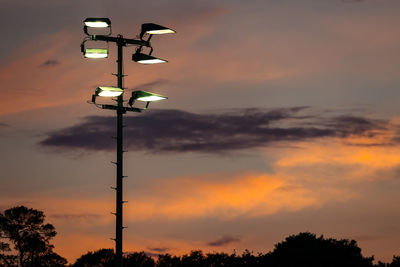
<point x="120" y="41"/>
<point x="119" y="189"/>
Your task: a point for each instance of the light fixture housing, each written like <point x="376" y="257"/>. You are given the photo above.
<point x="147" y="59"/>
<point x="95" y="52"/>
<point x="152" y="28"/>
<point x="108" y="91"/>
<point x="97" y="22"/>
<point x="147" y="96"/>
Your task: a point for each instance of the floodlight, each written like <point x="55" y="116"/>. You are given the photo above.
<point x="152" y="28"/>
<point x="97" y="22"/>
<point x="95" y="52"/>
<point x="146" y="59"/>
<point x="108" y="91"/>
<point x="147" y="96"/>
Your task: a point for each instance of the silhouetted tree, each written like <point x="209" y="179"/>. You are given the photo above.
<point x="305" y="249"/>
<point x="25" y="229"/>
<point x="249" y="259"/>
<point x="221" y="259"/>
<point x="100" y="258"/>
<point x="139" y="259"/>
<point x="166" y="260"/>
<point x="5" y="258"/>
<point x="196" y="259"/>
<point x="301" y="250"/>
<point x="395" y="262"/>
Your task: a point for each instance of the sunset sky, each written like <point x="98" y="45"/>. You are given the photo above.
<point x="282" y="118"/>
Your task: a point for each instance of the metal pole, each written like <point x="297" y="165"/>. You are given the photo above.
<point x="119" y="202"/>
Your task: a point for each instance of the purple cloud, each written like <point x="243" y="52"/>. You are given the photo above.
<point x="181" y="131"/>
<point x="224" y="240"/>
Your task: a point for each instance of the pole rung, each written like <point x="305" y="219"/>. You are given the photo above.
<point x="112" y="187"/>
<point x="122" y="75"/>
<point x="113" y="162"/>
<point x="113" y="213"/>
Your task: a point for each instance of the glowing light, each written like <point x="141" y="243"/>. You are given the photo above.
<point x="97" y="22"/>
<point x="152" y="28"/>
<point x="147" y="96"/>
<point x="146" y="59"/>
<point x="96" y="53"/>
<point x="108" y="91"/>
<point x="161" y="31"/>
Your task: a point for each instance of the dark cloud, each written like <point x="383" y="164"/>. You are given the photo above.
<point x="159" y="250"/>
<point x="180" y="131"/>
<point x="223" y="241"/>
<point x="346" y="124"/>
<point x="50" y="63"/>
<point x="4" y="124"/>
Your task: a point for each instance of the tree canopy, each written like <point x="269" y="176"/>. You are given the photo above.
<point x="305" y="249"/>
<point x="25" y="239"/>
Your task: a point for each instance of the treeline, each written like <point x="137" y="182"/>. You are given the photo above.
<point x="291" y="258"/>
<point x="25" y="242"/>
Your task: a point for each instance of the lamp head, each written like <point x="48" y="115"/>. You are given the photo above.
<point x="147" y="96"/>
<point x="108" y="91"/>
<point x="152" y="28"/>
<point x="97" y="22"/>
<point x="146" y="59"/>
<point x="95" y="52"/>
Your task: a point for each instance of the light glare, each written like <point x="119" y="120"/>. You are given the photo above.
<point x="151" y="98"/>
<point x="96" y="53"/>
<point x="96" y="24"/>
<point x="164" y="31"/>
<point x="109" y="91"/>
<point x="147" y="96"/>
<point x="152" y="61"/>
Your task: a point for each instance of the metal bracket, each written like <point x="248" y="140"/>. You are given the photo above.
<point x="123" y="109"/>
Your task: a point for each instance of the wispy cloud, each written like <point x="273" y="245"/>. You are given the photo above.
<point x="50" y="63"/>
<point x="237" y="129"/>
<point x="224" y="240"/>
<point x="159" y="250"/>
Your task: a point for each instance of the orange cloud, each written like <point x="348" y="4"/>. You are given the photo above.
<point x="361" y="156"/>
<point x="226" y="198"/>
